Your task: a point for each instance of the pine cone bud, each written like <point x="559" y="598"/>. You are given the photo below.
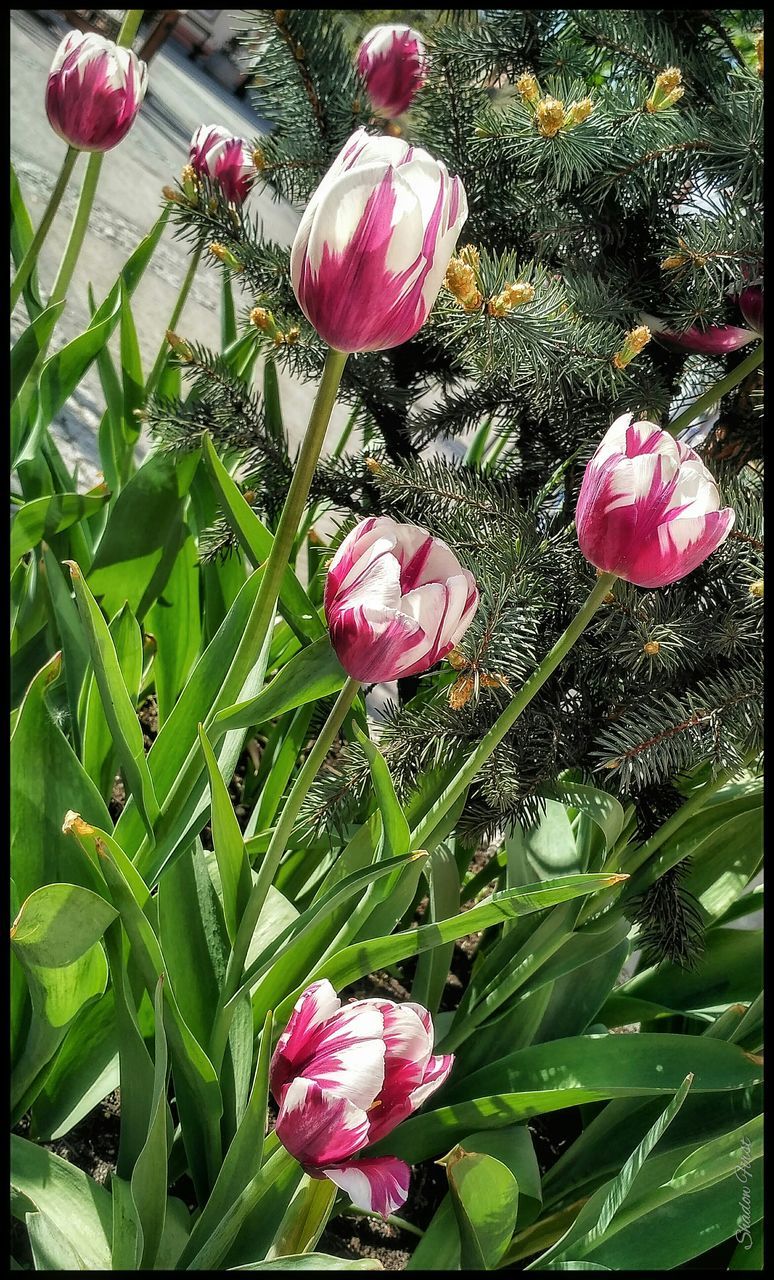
<point x="634" y="341"/>
<point x="756" y="589"/>
<point x="461" y="692"/>
<point x="673" y="261"/>
<point x="180" y="347"/>
<point x="460" y="280"/>
<point x="549" y="116"/>
<point x="578" y="112"/>
<point x="666" y="91"/>
<point x="528" y="87"/>
<point x="652" y="647"/>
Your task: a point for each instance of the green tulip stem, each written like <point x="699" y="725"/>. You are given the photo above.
<point x="271" y="861"/>
<point x="716" y="391"/>
<point x="510" y="715"/>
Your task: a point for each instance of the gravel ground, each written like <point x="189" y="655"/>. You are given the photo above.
<point x="180" y="97"/>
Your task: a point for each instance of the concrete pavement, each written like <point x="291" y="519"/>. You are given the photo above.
<point x="180" y="97"/>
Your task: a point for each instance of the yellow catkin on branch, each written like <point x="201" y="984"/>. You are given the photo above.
<point x="633" y="343"/>
<point x="549" y="116"/>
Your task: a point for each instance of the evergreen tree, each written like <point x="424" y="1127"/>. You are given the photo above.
<point x="613" y="166"/>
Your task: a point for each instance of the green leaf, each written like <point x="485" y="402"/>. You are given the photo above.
<point x="244" y="1156"/>
<point x="27" y="347"/>
<point x="313" y="1262"/>
<point x="149" y="1176"/>
<point x="132" y="377"/>
<point x="565" y="1073"/>
<point x="396" y="836"/>
<point x="600" y="806"/>
<point x="175" y="620"/>
<point x="621" y="1185"/>
<point x="272" y="408"/>
<point x="58" y="923"/>
<point x="98" y="750"/>
<point x="136" y="1071"/>
<point x="433" y="965"/>
<point x="313" y="673"/>
<point x="278" y="760"/>
<point x="44" y="517"/>
<point x="116" y="702"/>
<point x="143" y="536"/>
<point x="355" y="961"/>
<point x="256" y="539"/>
<point x="228" y="844"/>
<point x="485" y="1198"/>
<point x="41" y="796"/>
<point x="22" y="233"/>
<point x="80" y="1208"/>
<point x="305" y="1218"/>
<point x="51" y="1250"/>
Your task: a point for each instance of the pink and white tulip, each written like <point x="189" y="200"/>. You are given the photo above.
<point x="714" y="340"/>
<point x="216" y="154"/>
<point x="750" y="302"/>
<point x="372" y="248"/>
<point x="397" y="600"/>
<point x="393" y="64"/>
<point x="648" y="509"/>
<point x="344" y="1077"/>
<point x="94" y="91"/>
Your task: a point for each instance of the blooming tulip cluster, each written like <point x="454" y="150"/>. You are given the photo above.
<point x="396" y="599"/>
<point x="372" y="248"/>
<point x="343" y="1078"/>
<point x="392" y="61"/>
<point x="216" y="154"/>
<point x="648" y="509"/>
<point x="94" y="91"/>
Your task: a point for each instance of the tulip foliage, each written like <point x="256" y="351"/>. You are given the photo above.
<point x="485" y="966"/>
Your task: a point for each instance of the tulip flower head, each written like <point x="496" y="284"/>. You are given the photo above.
<point x="393" y="63"/>
<point x="216" y="154"/>
<point x="750" y="302"/>
<point x="94" y="91"/>
<point x="397" y="600"/>
<point x="648" y="509"/>
<point x="344" y="1077"/>
<point x="374" y="243"/>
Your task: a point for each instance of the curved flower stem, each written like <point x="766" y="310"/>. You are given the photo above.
<point x="271" y="861"/>
<point x="252" y="639"/>
<point x="177" y="311"/>
<point x="717" y="391"/>
<point x="27" y="264"/>
<point x="78" y="229"/>
<point x="510" y="715"/>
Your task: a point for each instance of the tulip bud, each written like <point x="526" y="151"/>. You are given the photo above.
<point x="94" y="91"/>
<point x="374" y="243"/>
<point x="750" y="302"/>
<point x="648" y="509"/>
<point x="343" y="1078"/>
<point x="396" y="599"/>
<point x="215" y="153"/>
<point x="393" y="63"/>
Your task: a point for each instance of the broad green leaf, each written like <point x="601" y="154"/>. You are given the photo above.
<point x="396" y="836"/>
<point x="305" y="1218"/>
<point x="41" y="797"/>
<point x="116" y="702"/>
<point x="228" y="844"/>
<point x="58" y="923"/>
<point x="278" y="760"/>
<point x="126" y="1246"/>
<point x="485" y="1198"/>
<point x="174" y="619"/>
<point x="132" y="377"/>
<point x="272" y="407"/>
<point x="564" y="1073"/>
<point x="43" y="1182"/>
<point x="51" y="1249"/>
<point x="136" y="1071"/>
<point x="550" y="844"/>
<point x="256" y="541"/>
<point x="361" y="958"/>
<point x="143" y="535"/>
<point x="600" y="806"/>
<point x="75" y="649"/>
<point x="45" y="517"/>
<point x="315" y="672"/>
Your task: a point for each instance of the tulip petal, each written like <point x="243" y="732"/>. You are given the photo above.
<point x="436" y="1072"/>
<point x="318" y="1127"/>
<point x="379" y="1184"/>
